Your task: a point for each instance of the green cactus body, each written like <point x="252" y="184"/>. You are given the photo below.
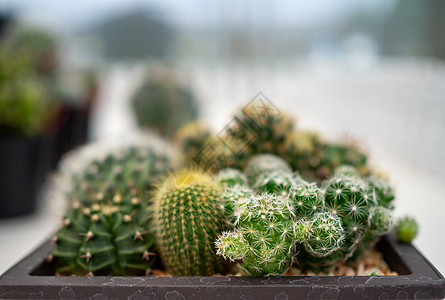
<point x="307" y="199"/>
<point x="232" y="197"/>
<point x="326" y="234"/>
<point x="263" y="164"/>
<point x="162" y="104"/>
<point x="231" y="177"/>
<point x="383" y="191"/>
<point x="276" y="182"/>
<point x="189" y="216"/>
<point x="407" y="229"/>
<point x="264" y="237"/>
<point x="97" y="171"/>
<point x="106" y="239"/>
<point x="380" y="220"/>
<point x="258" y="129"/>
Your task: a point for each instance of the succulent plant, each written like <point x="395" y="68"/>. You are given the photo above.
<point x="232" y="196"/>
<point x="276" y="182"/>
<point x="189" y="216"/>
<point x="407" y="229"/>
<point x="163" y="104"/>
<point x="263" y="164"/>
<point x="383" y="191"/>
<point x="307" y="200"/>
<point x="380" y="220"/>
<point x="231" y="177"/>
<point x="257" y="128"/>
<point x="95" y="172"/>
<point x="25" y="107"/>
<point x="264" y="237"/>
<point x="325" y="234"/>
<point x="110" y="238"/>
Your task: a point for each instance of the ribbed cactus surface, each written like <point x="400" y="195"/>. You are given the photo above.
<point x="189" y="216"/>
<point x="112" y="238"/>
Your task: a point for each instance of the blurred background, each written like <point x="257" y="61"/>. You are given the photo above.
<point x="72" y="72"/>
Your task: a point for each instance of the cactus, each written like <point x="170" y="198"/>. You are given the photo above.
<point x="258" y="128"/>
<point x="163" y="104"/>
<point x="307" y="199"/>
<point x="232" y="196"/>
<point x="380" y="220"/>
<point x="325" y="234"/>
<point x="407" y="229"/>
<point x="264" y="238"/>
<point x="189" y="216"/>
<point x="263" y="164"/>
<point x="111" y="238"/>
<point x="383" y="191"/>
<point x="95" y="172"/>
<point x="191" y="139"/>
<point x="231" y="177"/>
<point x="276" y="182"/>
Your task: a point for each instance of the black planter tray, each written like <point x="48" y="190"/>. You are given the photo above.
<point x="33" y="278"/>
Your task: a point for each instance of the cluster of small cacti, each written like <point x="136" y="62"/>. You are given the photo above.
<point x="264" y="215"/>
<point x="332" y="221"/>
<point x="261" y="128"/>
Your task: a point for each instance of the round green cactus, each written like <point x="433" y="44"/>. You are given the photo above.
<point x="307" y="199"/>
<point x="407" y="229"/>
<point x="263" y="164"/>
<point x="231" y="177"/>
<point x="264" y="237"/>
<point x="326" y="234"/>
<point x="163" y="104"/>
<point x="380" y="220"/>
<point x="189" y="216"/>
<point x="111" y="238"/>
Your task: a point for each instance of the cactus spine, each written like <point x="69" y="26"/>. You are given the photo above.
<point x="189" y="216"/>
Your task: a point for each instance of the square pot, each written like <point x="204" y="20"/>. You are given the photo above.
<point x="33" y="278"/>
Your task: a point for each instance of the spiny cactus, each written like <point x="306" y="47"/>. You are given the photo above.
<point x="263" y="164"/>
<point x="380" y="220"/>
<point x="111" y="238"/>
<point x="189" y="216"/>
<point x="258" y="128"/>
<point x="232" y="196"/>
<point x="264" y="237"/>
<point x="97" y="171"/>
<point x="307" y="199"/>
<point x="407" y="229"/>
<point x="383" y="191"/>
<point x="325" y="234"/>
<point x="337" y="154"/>
<point x="231" y="177"/>
<point x="276" y="182"/>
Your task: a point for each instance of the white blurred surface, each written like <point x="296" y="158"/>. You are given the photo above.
<point x="397" y="109"/>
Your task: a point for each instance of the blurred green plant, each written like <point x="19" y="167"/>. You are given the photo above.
<point x="163" y="104"/>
